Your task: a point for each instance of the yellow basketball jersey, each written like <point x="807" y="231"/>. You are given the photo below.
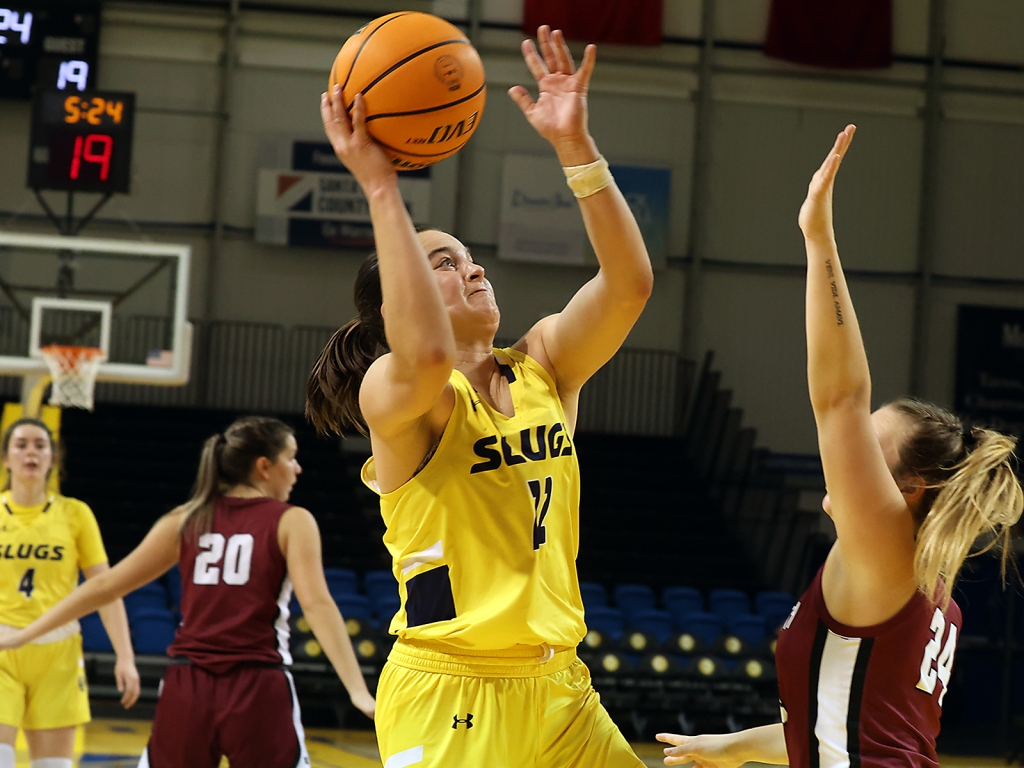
<point x="41" y="550"/>
<point x="484" y="538"/>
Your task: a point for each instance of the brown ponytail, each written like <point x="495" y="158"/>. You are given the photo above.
<point x="970" y="490"/>
<point x="227" y="460"/>
<point x="332" y="391"/>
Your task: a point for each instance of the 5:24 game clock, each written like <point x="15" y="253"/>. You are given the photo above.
<point x="81" y="141"/>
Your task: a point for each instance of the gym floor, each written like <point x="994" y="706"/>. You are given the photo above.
<point x="108" y="743"/>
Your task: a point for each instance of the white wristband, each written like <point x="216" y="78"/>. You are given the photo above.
<point x="585" y="180"/>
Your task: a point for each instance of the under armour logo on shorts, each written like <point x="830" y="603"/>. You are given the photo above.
<point x="468" y="721"/>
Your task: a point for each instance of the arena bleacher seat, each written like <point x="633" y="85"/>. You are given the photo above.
<point x="680" y="601"/>
<point x="748" y="627"/>
<point x="607" y="621"/>
<point x="356" y="611"/>
<point x="654" y="622"/>
<point x="380" y="584"/>
<point x="706" y="627"/>
<point x="341" y="581"/>
<point x="774" y="606"/>
<point x="630" y="598"/>
<point x="728" y="602"/>
<point x="593" y="594"/>
<point x="94" y="636"/>
<point x="152" y="596"/>
<point x="152" y="630"/>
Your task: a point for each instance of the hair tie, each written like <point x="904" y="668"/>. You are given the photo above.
<point x="970" y="437"/>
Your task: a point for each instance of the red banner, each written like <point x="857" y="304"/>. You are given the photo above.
<point x="851" y="34"/>
<point x="625" y="22"/>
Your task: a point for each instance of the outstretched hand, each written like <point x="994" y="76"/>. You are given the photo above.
<point x="352" y="144"/>
<point x="702" y="751"/>
<point x="816" y="212"/>
<point x="560" y="112"/>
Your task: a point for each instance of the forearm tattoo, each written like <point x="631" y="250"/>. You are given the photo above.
<point x="835" y="291"/>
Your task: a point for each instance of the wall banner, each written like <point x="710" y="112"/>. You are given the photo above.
<point x="317" y="202"/>
<point x="540" y="219"/>
<point x="990" y="366"/>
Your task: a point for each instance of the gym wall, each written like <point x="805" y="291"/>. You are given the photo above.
<point x="771" y="126"/>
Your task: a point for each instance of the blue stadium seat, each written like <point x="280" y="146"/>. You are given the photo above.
<point x="174" y="587"/>
<point x="150" y="597"/>
<point x="680" y="601"/>
<point x="94" y="636"/>
<point x="630" y="598"/>
<point x="380" y="584"/>
<point x="294" y="609"/>
<point x="594" y="594"/>
<point x="354" y="606"/>
<point x="341" y="581"/>
<point x="707" y="626"/>
<point x="653" y="622"/>
<point x="152" y="630"/>
<point x="608" y="621"/>
<point x="385" y="607"/>
<point x="728" y="602"/>
<point x="775" y="607"/>
<point x="749" y="628"/>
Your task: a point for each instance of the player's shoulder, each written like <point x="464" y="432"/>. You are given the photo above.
<point x="72" y="507"/>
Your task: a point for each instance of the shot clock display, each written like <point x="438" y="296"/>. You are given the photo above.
<point x="81" y="141"/>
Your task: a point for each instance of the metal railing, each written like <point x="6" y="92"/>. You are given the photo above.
<point x="262" y="367"/>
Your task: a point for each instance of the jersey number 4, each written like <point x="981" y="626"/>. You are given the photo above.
<point x="27" y="584"/>
<point x="236" y="554"/>
<point x="937" y="666"/>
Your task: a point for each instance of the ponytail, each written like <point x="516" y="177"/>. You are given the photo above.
<point x="332" y="391"/>
<point x="983" y="496"/>
<point x="971" y="490"/>
<point x="226" y="461"/>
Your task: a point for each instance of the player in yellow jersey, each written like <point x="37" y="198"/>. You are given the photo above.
<point x="474" y="459"/>
<point x="45" y="539"/>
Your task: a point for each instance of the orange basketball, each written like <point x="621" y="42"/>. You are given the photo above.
<point x="423" y="83"/>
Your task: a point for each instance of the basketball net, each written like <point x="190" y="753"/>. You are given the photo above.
<point x="73" y="372"/>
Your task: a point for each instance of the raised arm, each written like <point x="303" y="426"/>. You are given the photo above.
<point x="873" y="523"/>
<point x="404" y="385"/>
<point x="575" y="343"/>
<point x="299" y="538"/>
<point x="151" y="559"/>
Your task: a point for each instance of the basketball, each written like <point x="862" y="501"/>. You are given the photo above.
<point x="423" y="83"/>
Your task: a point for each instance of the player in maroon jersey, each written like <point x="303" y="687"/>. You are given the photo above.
<point x="865" y="657"/>
<point x="241" y="548"/>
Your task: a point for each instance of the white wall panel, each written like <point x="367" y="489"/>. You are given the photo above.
<point x="763" y="160"/>
<point x="985" y="30"/>
<point x="981" y="200"/>
<point x="755" y="325"/>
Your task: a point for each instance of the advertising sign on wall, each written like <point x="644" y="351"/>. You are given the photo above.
<point x="990" y="366"/>
<point x="317" y="202"/>
<point x="540" y="219"/>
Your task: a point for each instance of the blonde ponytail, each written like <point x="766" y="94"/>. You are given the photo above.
<point x="982" y="496"/>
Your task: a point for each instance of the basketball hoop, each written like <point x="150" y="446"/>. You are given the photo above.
<point x="73" y="372"/>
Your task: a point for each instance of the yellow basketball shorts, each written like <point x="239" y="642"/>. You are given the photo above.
<point x="44" y="686"/>
<point x="440" y="710"/>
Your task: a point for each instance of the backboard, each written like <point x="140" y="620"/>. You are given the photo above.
<point x="129" y="298"/>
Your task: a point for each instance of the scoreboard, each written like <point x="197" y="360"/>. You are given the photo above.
<point x="81" y="141"/>
<point x="48" y="44"/>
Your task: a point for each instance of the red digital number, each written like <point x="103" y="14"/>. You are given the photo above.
<point x="85" y="150"/>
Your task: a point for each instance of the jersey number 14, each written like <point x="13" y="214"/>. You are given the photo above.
<point x="236" y="554"/>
